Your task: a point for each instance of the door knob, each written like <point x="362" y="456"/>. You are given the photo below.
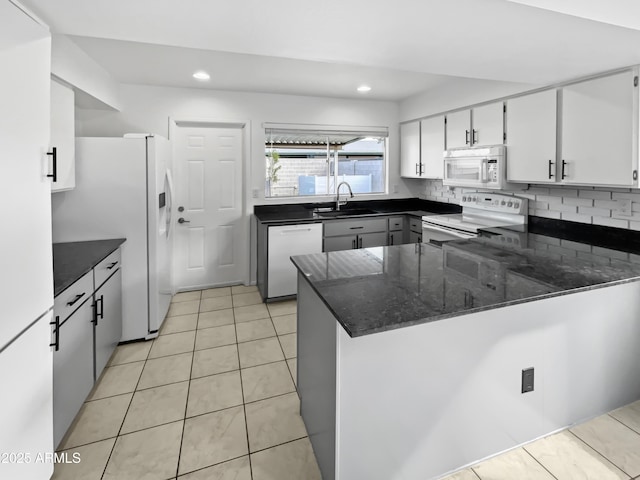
<point x="181" y="209"/>
<point x="182" y="220"/>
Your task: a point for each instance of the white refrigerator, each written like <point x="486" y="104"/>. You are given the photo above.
<point x="26" y="276"/>
<point x="123" y="190"/>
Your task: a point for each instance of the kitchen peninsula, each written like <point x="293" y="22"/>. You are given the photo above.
<point x="411" y="357"/>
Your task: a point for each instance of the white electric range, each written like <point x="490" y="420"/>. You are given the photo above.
<point x="480" y="210"/>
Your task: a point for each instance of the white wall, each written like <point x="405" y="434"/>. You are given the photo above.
<point x="147" y="109"/>
<point x="457" y="94"/>
<point x="93" y="84"/>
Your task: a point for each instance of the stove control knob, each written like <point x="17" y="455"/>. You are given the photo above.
<point x="516" y="204"/>
<point x="464" y="199"/>
<point x="503" y="202"/>
<point x="510" y="204"/>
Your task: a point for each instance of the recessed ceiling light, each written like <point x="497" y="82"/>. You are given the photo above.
<point x="364" y="88"/>
<point x="201" y="76"/>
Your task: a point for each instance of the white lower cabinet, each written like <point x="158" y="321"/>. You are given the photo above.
<point x="88" y="327"/>
<point x="72" y="367"/>
<point x="108" y="321"/>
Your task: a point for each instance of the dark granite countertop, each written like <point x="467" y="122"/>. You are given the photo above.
<point x="308" y="212"/>
<point x="72" y="260"/>
<point x="378" y="289"/>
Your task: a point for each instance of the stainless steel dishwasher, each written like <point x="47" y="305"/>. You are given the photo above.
<point x="286" y="241"/>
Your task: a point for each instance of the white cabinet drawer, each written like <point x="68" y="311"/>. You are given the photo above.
<point x="106" y="268"/>
<point x="354" y="227"/>
<point x="415" y="224"/>
<point x="73" y="297"/>
<point x="396" y="223"/>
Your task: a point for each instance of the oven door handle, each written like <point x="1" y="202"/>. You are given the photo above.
<point x="456" y="233"/>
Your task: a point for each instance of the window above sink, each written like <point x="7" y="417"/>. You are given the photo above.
<point x="311" y="160"/>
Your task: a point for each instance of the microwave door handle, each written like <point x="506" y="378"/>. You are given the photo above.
<point x="485" y="167"/>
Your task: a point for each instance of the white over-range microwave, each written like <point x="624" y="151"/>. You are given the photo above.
<point x="480" y="167"/>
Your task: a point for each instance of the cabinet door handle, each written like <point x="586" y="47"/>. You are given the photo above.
<point x="356" y="228"/>
<point x="391" y="239"/>
<point x="353" y="243"/>
<point x="359" y="242"/>
<point x="474" y="137"/>
<point x="54" y="164"/>
<point x="112" y="265"/>
<point x="466" y="137"/>
<point x="563" y="165"/>
<point x="419" y="238"/>
<point x="56" y="333"/>
<point x="78" y="297"/>
<point x="551" y="175"/>
<point x="101" y="299"/>
<point x="417" y="173"/>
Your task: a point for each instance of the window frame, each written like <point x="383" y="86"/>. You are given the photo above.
<point x="333" y="155"/>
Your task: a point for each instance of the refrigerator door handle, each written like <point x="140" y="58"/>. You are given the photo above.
<point x="169" y="200"/>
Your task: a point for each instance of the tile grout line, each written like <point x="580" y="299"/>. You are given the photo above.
<point x="598" y="452"/>
<point x="244" y="405"/>
<point x="186" y="404"/>
<point x="475" y="473"/>
<point x="538" y="462"/>
<point x="286" y="360"/>
<point x="622" y="423"/>
<point x="104" y="470"/>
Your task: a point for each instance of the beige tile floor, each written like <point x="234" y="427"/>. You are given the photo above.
<point x="214" y="398"/>
<point x="605" y="448"/>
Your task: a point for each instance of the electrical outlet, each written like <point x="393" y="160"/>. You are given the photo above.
<point x="527" y="380"/>
<point x="624" y="207"/>
<point x="256" y="192"/>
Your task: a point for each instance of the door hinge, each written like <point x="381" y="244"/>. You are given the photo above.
<point x="635" y="174"/>
<point x="635" y="81"/>
<point x="504" y="137"/>
<point x="504" y="108"/>
<point x="445" y="120"/>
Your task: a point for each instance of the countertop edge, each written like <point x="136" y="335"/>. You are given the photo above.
<point x="422" y="321"/>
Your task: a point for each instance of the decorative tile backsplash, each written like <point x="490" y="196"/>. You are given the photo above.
<point x="594" y="205"/>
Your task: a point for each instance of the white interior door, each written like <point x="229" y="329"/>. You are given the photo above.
<point x="211" y="244"/>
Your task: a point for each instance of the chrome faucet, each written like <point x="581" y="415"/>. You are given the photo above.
<point x="338" y="203"/>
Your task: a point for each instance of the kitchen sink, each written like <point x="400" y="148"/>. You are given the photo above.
<point x="347" y="212"/>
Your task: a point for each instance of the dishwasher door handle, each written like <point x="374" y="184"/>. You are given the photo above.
<point x="297" y="230"/>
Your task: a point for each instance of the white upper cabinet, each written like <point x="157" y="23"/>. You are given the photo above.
<point x="410" y="150"/>
<point x="598" y="131"/>
<point x="62" y="137"/>
<point x="487" y="124"/>
<point x="432" y="147"/>
<point x="478" y="126"/>
<point x="459" y="129"/>
<point x="531" y="137"/>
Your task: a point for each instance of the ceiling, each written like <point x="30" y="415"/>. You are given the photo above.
<point x="328" y="48"/>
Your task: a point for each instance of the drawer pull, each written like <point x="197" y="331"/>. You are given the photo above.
<point x="78" y="297"/>
<point x="356" y="228"/>
<point x="112" y="265"/>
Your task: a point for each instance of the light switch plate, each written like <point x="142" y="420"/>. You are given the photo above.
<point x="527" y="380"/>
